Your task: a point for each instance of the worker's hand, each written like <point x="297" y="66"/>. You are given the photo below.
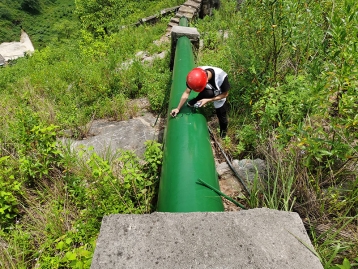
<point x="203" y="102"/>
<point x="174" y="112"/>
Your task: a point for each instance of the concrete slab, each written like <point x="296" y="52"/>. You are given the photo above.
<point x="168" y="10"/>
<point x="189" y="15"/>
<point x="192" y="4"/>
<point x="257" y="238"/>
<point x="179" y="31"/>
<point x="14" y="50"/>
<point x="187" y="9"/>
<point x="175" y="20"/>
<point x="111" y="136"/>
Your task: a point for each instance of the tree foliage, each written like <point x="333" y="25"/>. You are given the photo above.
<point x="108" y="16"/>
<point x="34" y="6"/>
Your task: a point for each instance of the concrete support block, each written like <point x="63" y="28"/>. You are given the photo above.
<point x="187" y="10"/>
<point x="189" y="16"/>
<point x="257" y="238"/>
<point x="150" y="19"/>
<point x="175" y="20"/>
<point x="179" y="31"/>
<point x="192" y="4"/>
<point x="169" y="10"/>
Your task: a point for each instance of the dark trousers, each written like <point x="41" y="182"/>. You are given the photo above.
<point x="221" y="113"/>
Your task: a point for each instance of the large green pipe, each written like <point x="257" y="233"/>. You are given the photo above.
<point x="188" y="155"/>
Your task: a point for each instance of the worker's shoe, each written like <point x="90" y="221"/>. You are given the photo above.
<point x="189" y="105"/>
<point x="223" y="133"/>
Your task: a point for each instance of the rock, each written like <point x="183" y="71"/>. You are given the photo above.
<point x="231" y="185"/>
<point x="222" y="169"/>
<point x="249" y="169"/>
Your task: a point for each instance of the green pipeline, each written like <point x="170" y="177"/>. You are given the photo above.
<point x="188" y="155"/>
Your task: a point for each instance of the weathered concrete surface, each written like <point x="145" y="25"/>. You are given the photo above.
<point x="106" y="136"/>
<point x="179" y="31"/>
<point x="257" y="238"/>
<point x="14" y="50"/>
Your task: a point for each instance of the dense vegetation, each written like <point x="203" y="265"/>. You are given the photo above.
<point x="292" y="66"/>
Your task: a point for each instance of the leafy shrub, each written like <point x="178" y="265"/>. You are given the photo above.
<point x="129" y="191"/>
<point x="9" y="190"/>
<point x="40" y="154"/>
<point x="247" y="137"/>
<point x="5" y="13"/>
<point x="69" y="255"/>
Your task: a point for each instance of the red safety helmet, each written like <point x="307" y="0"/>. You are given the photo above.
<point x="196" y="79"/>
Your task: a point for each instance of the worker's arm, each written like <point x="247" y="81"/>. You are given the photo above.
<point x="216" y="98"/>
<point x="182" y="101"/>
